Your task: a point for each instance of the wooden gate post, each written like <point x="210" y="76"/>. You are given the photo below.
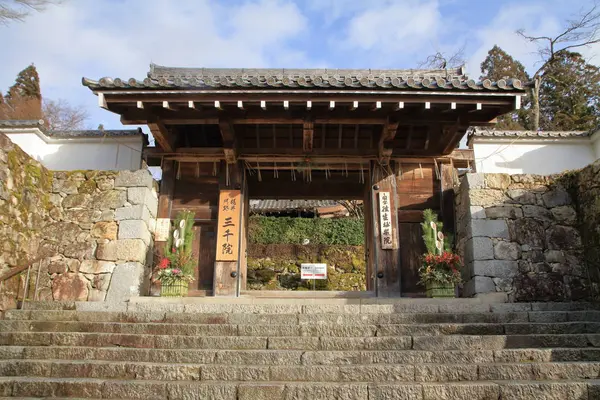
<point x="385" y="246"/>
<point x="230" y="251"/>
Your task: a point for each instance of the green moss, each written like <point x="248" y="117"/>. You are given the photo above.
<point x="88" y="186"/>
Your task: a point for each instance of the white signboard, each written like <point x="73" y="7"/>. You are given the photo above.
<point x="313" y="271"/>
<point x="385" y="221"/>
<point x="162" y="229"/>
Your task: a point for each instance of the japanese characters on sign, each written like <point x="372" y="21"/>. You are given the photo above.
<point x="229" y="225"/>
<point x="313" y="271"/>
<point x="162" y="229"/>
<point x="385" y="221"/>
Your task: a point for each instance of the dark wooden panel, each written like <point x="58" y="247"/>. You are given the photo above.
<point x="200" y="195"/>
<point x="418" y="187"/>
<point x="410" y="216"/>
<point x="411" y="249"/>
<point x="204" y="251"/>
<point x="337" y="187"/>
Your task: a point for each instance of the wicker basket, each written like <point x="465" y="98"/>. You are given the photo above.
<point x="440" y="290"/>
<point x="175" y="289"/>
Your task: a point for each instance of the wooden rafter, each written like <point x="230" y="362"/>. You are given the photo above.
<point x="388" y="133"/>
<point x="307" y="136"/>
<point x="161" y="135"/>
<point x="229" y="142"/>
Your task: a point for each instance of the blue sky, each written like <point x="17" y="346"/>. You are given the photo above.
<point x="96" y="38"/>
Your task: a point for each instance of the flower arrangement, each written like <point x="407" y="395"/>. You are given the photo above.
<point x="440" y="268"/>
<point x="175" y="269"/>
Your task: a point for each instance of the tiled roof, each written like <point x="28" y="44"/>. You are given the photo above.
<point x="281" y="205"/>
<point x="160" y="77"/>
<point x="486" y="132"/>
<point x="88" y="133"/>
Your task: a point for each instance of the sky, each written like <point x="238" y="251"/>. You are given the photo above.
<point x="120" y="38"/>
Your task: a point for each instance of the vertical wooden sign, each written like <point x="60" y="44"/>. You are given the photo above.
<point x="228" y="233"/>
<point x="385" y="221"/>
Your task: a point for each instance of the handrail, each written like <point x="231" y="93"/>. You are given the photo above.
<point x="19" y="270"/>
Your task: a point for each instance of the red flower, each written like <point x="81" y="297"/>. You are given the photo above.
<point x="164" y="263"/>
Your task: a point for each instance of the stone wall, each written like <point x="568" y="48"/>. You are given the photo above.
<point x="90" y="229"/>
<point x="24" y="207"/>
<point x="519" y="235"/>
<point x="99" y="239"/>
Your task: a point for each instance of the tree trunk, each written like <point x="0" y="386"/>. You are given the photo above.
<point x="535" y="102"/>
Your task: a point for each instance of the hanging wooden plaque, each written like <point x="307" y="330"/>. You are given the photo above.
<point x="228" y="234"/>
<point x="385" y="221"/>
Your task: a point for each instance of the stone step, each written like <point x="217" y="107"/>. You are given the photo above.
<point x="301" y="319"/>
<point x="148" y="390"/>
<point x="324" y="329"/>
<point x="424" y="372"/>
<point x="440" y="342"/>
<point x="299" y="357"/>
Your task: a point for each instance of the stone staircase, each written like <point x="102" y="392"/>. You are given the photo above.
<point x="297" y="349"/>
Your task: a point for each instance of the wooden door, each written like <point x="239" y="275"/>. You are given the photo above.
<point x="204" y="251"/>
<point x="411" y="249"/>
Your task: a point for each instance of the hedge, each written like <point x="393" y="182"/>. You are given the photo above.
<point x="335" y="231"/>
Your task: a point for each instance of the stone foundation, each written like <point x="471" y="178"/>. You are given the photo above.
<point x="519" y="235"/>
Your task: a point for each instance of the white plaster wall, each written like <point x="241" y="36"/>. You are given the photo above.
<point x="124" y="153"/>
<point x="520" y="157"/>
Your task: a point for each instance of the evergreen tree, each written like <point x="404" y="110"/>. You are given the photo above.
<point x="570" y="94"/>
<point x="27" y="85"/>
<point x="500" y="65"/>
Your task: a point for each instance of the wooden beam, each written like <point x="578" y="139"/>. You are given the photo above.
<point x="161" y="135"/>
<point x="409" y="137"/>
<point x="229" y="141"/>
<point x="286" y="105"/>
<point x="377" y="105"/>
<point x="218" y="105"/>
<point x="427" y="105"/>
<point x="388" y="133"/>
<point x="399" y="106"/>
<point x="453" y="106"/>
<point x="102" y="101"/>
<point x="240" y="104"/>
<point x="263" y="104"/>
<point x="140" y="105"/>
<point x="166" y="105"/>
<point x="307" y="136"/>
<point x="479" y="106"/>
<point x="354" y="105"/>
<point x="331" y="105"/>
<point x="191" y="104"/>
<point x="308" y="104"/>
<point x="167" y="188"/>
<point x="517" y="102"/>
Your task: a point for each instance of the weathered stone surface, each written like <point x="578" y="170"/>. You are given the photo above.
<point x="479" y="248"/>
<point x="477" y="212"/>
<point x="105" y="230"/>
<point x="497" y="181"/>
<point x="508" y="211"/>
<point x="554" y="256"/>
<point x="105" y="182"/>
<point x="76" y="201"/>
<point x="522" y="196"/>
<point x="475" y="181"/>
<point x="70" y="286"/>
<point x="109" y="199"/>
<point x="527" y="231"/>
<point x="496" y="268"/>
<point x="556" y="197"/>
<point x="63" y="232"/>
<point x="96" y="267"/>
<point x="486" y="197"/>
<point x="467" y="391"/>
<point x="489" y="228"/>
<point x="102" y="281"/>
<point x="507" y="250"/>
<point x="66" y="186"/>
<point x="138" y="178"/>
<point x="124" y="250"/>
<point x="134" y="229"/>
<point x="537" y="212"/>
<point x="96" y="295"/>
<point x="80" y="216"/>
<point x="479" y="284"/>
<point x="143" y="196"/>
<point x="565" y="215"/>
<point x="138" y="211"/>
<point x="258" y="391"/>
<point x="563" y="238"/>
<point x="80" y="251"/>
<point x="127" y="281"/>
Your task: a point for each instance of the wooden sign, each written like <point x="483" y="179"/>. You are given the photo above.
<point x="385" y="221"/>
<point x="162" y="229"/>
<point x="228" y="234"/>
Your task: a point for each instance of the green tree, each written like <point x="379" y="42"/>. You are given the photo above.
<point x="27" y="84"/>
<point x="570" y="94"/>
<point x="500" y="65"/>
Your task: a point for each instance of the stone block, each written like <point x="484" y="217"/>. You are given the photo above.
<point x="101" y="281"/>
<point x="475" y="181"/>
<point x="560" y="237"/>
<point x="556" y="197"/>
<point x="496" y="268"/>
<point x="134" y="229"/>
<point x="497" y="181"/>
<point x="478" y="248"/>
<point x="522" y="196"/>
<point x="527" y="231"/>
<point x="489" y="228"/>
<point x="66" y="186"/>
<point x="96" y="295"/>
<point x="510" y="212"/>
<point x="486" y="197"/>
<point x="105" y="182"/>
<point x="554" y="256"/>
<point x="70" y="286"/>
<point x="105" y="230"/>
<point x="96" y="267"/>
<point x="138" y="178"/>
<point x="123" y="250"/>
<point x="127" y="281"/>
<point x="538" y="213"/>
<point x="143" y="196"/>
<point x="507" y="250"/>
<point x="76" y="201"/>
<point x="260" y="391"/>
<point x="479" y="284"/>
<point x="564" y="215"/>
<point x="80" y="250"/>
<point x="109" y="199"/>
<point x="477" y="212"/>
<point x="138" y="211"/>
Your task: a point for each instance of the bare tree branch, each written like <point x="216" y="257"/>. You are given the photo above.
<point x="441" y="60"/>
<point x="61" y="116"/>
<point x="18" y="10"/>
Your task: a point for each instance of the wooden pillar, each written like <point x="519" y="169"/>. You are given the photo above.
<point x="167" y="187"/>
<point x="447" y="198"/>
<point x="369" y="254"/>
<point x="386" y="252"/>
<point x="230" y="249"/>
